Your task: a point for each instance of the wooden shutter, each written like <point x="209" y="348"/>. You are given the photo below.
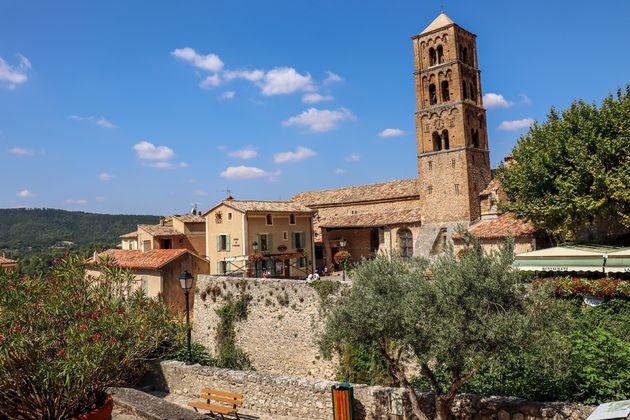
<point x="218" y="242"/>
<point x="227" y="243"/>
<point x="302" y="240"/>
<point x="258" y="242"/>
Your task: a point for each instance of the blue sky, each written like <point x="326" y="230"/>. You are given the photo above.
<point x="150" y="106"/>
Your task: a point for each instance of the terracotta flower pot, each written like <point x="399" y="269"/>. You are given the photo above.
<point x="101" y="413"/>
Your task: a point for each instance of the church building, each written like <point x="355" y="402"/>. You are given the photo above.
<point x="418" y="217"/>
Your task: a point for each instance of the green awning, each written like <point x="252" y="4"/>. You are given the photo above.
<point x="564" y="258"/>
<point x="618" y="261"/>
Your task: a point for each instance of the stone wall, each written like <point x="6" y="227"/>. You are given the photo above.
<point x="305" y="398"/>
<point x="280" y="333"/>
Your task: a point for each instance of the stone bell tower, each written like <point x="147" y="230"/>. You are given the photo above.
<point x="451" y="132"/>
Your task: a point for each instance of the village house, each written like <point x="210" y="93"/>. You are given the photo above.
<point x="156" y="271"/>
<point x="278" y="234"/>
<point x="7" y="263"/>
<point x="185" y="231"/>
<point x="421" y="216"/>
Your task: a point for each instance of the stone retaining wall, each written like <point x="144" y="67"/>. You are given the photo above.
<point x="306" y="398"/>
<point x="280" y="333"/>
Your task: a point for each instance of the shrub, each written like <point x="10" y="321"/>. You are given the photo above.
<point x="67" y="338"/>
<point x="574" y="286"/>
<point x="200" y="354"/>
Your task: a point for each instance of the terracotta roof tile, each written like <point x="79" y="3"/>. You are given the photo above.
<point x="267" y="206"/>
<point x="373" y="219"/>
<point x="4" y="260"/>
<point x="133" y="234"/>
<point x="405" y="188"/>
<point x="189" y="218"/>
<point x="159" y="230"/>
<point x="152" y="259"/>
<point x="506" y="225"/>
<point x="493" y="185"/>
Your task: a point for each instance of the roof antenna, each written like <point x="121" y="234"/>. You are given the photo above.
<point x="194" y="210"/>
<point x="228" y="194"/>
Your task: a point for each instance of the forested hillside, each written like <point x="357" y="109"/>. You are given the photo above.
<point x="36" y="236"/>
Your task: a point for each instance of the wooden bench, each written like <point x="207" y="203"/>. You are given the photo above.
<point x="229" y="401"/>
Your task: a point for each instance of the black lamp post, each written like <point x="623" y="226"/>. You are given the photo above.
<point x="186" y="281"/>
<point x="342" y="244"/>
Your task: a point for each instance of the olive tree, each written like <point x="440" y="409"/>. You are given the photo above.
<point x="451" y="315"/>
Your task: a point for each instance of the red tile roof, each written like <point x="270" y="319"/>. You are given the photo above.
<point x="254" y="206"/>
<point x="189" y="218"/>
<point x="493" y="185"/>
<point x="152" y="259"/>
<point x="506" y="225"/>
<point x="4" y="260"/>
<point x="373" y="219"/>
<point x="159" y="230"/>
<point x="393" y="190"/>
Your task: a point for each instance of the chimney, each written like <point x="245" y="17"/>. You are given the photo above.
<point x="162" y="220"/>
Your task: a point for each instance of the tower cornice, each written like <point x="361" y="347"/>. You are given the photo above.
<point x="441" y="107"/>
<point x="424" y="35"/>
<point x="448" y="63"/>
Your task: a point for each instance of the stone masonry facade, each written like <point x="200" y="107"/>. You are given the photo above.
<point x="280" y="332"/>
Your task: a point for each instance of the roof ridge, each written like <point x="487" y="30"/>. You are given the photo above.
<point x="355" y="186"/>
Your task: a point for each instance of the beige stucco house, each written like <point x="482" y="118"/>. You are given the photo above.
<point x="280" y="234"/>
<point x="174" y="232"/>
<point x="156" y="271"/>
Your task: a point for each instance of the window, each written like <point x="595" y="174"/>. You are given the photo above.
<point x="430" y="189"/>
<point x="298" y="240"/>
<point x="167" y="244"/>
<point x="223" y="243"/>
<point x="269" y="219"/>
<point x="264" y="240"/>
<point x="218" y="217"/>
<point x="301" y="262"/>
<point x="146" y="245"/>
<point x="475" y="138"/>
<point x="229" y="216"/>
<point x="432" y="57"/>
<point x="432" y="94"/>
<point x="473" y="92"/>
<point x="464" y="90"/>
<point x="145" y="285"/>
<point x="285" y="236"/>
<point x="437" y="142"/>
<point x="465" y="55"/>
<point x="221" y="267"/>
<point x="292" y="219"/>
<point x="440" y="54"/>
<point x="445" y="93"/>
<point x="445" y="139"/>
<point x="456" y="189"/>
<point x="405" y="241"/>
<point x="452" y="163"/>
<point x="430" y="165"/>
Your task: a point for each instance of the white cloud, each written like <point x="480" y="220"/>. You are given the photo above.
<point x="229" y="95"/>
<point x="515" y="124"/>
<point x="20" y="151"/>
<point x="249" y="75"/>
<point x="317" y="120"/>
<point x="496" y="100"/>
<point x="25" y="194"/>
<point x="339" y="171"/>
<point x="313" y="98"/>
<point x="332" y="78"/>
<point x="80" y="201"/>
<point x="354" y="157"/>
<point x="300" y="153"/>
<point x="246" y="153"/>
<point x="284" y="81"/>
<point x="391" y="132"/>
<point x="210" y="81"/>
<point x="100" y="121"/>
<point x="209" y="62"/>
<point x="247" y="172"/>
<point x="525" y="99"/>
<point x="166" y="165"/>
<point x="104" y="176"/>
<point x="14" y="75"/>
<point x="148" y="151"/>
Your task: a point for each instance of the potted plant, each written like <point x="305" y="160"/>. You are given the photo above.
<point x="67" y="338"/>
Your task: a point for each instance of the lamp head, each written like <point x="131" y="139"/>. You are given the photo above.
<point x="186" y="280"/>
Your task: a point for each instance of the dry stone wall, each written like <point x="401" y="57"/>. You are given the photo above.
<point x="305" y="398"/>
<point x="280" y="332"/>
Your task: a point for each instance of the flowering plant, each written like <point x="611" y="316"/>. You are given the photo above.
<point x="342" y="257"/>
<point x="256" y="257"/>
<point x="573" y="286"/>
<point x="67" y="338"/>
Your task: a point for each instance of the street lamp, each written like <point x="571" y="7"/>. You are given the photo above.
<point x="186" y="281"/>
<point x="342" y="244"/>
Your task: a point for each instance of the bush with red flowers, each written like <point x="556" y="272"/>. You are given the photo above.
<point x="67" y="338"/>
<point x="342" y="257"/>
<point x="576" y="286"/>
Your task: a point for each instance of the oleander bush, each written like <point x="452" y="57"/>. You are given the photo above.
<point x="66" y="338"/>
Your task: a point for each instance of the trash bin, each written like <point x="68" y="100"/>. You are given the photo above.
<point x="343" y="402"/>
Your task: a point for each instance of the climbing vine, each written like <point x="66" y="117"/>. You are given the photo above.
<point x="229" y="355"/>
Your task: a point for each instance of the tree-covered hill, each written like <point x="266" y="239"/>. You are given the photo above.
<point x="27" y="231"/>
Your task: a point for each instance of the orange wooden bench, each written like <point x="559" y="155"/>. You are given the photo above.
<point x="229" y="401"/>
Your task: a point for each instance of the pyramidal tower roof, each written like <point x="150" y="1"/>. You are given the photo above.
<point x="439" y="22"/>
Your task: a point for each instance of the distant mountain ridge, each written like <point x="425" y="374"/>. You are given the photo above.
<point x="30" y="230"/>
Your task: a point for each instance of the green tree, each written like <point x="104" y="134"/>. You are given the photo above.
<point x="470" y="312"/>
<point x="573" y="169"/>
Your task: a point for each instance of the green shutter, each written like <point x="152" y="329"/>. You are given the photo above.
<point x="258" y="242"/>
<point x="218" y="242"/>
<point x="269" y="243"/>
<point x="227" y="243"/>
<point x="293" y="240"/>
<point x="218" y="267"/>
<point x="302" y="240"/>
